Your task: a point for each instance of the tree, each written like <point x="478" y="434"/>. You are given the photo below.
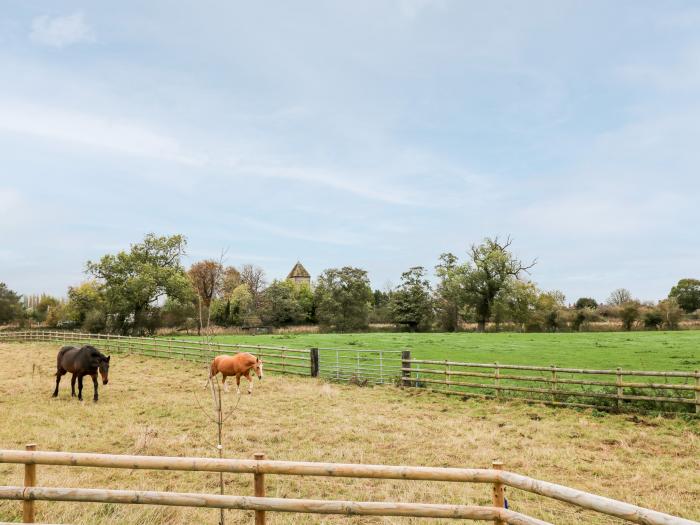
<point x="343" y="298"/>
<point x="254" y="278"/>
<point x="411" y="302"/>
<point x="280" y="305"/>
<point x="381" y="312"/>
<point x="449" y="295"/>
<point x="10" y="305"/>
<point x="619" y="297"/>
<point x="549" y="306"/>
<point x="520" y="303"/>
<point x="687" y="293"/>
<point x="134" y="281"/>
<point x="629" y="313"/>
<point x="207" y="278"/>
<point x="586" y="302"/>
<point x="671" y="313"/>
<point x="491" y="269"/>
<point x="87" y="300"/>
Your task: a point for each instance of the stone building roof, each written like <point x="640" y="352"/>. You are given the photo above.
<point x="298" y="271"/>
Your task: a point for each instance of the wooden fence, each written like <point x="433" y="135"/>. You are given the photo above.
<point x="260" y="466"/>
<point x="619" y="389"/>
<point x="615" y="390"/>
<point x="277" y="358"/>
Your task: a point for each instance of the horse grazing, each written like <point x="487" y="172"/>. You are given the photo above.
<point x="238" y="365"/>
<point x="84" y="361"/>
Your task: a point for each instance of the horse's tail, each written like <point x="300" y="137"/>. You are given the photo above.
<point x="213" y="370"/>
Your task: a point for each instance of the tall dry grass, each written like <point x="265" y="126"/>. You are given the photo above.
<point x="149" y="407"/>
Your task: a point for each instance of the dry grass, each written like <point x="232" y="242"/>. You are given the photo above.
<point x="149" y="407"/>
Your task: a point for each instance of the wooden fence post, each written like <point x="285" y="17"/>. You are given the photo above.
<point x="554" y="383"/>
<point x="406" y="363"/>
<point x="29" y="481"/>
<point x="497" y="379"/>
<point x="313" y="354"/>
<point x="499" y="492"/>
<point x="259" y="485"/>
<point x="697" y="392"/>
<point x="618" y="381"/>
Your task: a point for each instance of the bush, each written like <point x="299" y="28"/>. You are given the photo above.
<point x="653" y="319"/>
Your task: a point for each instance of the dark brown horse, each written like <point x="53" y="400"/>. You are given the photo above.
<point x="83" y="361"/>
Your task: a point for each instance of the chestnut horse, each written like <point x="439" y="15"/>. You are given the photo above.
<point x="84" y="361"/>
<point x="238" y="365"/>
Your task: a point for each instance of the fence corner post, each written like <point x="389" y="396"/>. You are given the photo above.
<point x="499" y="492"/>
<point x="29" y="481"/>
<point x="259" y="486"/>
<point x="313" y="354"/>
<point x="405" y="368"/>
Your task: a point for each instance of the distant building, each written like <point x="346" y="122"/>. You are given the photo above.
<point x="299" y="275"/>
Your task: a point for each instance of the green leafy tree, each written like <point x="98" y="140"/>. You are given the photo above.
<point x="519" y="304"/>
<point x="489" y="272"/>
<point x="687" y="293"/>
<point x="86" y="299"/>
<point x="134" y="281"/>
<point x="549" y="307"/>
<point x="10" y="305"/>
<point x="449" y="293"/>
<point x="629" y="314"/>
<point x="412" y="303"/>
<point x="586" y="302"/>
<point x="280" y="304"/>
<point x="343" y="298"/>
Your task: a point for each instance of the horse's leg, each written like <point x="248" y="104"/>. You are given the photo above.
<point x="94" y="384"/>
<point x="80" y="387"/>
<point x="59" y="373"/>
<point x="238" y="384"/>
<point x="72" y="385"/>
<point x="223" y="382"/>
<point x="250" y="381"/>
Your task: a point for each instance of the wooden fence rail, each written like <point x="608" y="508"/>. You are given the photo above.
<point x="452" y="377"/>
<point x="258" y="467"/>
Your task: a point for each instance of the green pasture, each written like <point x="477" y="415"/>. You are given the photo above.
<point x="678" y="350"/>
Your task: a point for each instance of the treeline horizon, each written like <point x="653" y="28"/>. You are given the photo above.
<point x="147" y="288"/>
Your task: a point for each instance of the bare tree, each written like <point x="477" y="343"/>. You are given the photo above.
<point x="254" y="278"/>
<point x="619" y="297"/>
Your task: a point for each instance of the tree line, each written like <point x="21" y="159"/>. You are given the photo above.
<point x="146" y="288"/>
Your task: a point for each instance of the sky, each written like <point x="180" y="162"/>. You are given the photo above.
<point x="376" y="133"/>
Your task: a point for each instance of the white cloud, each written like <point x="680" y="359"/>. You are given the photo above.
<point x="61" y="31"/>
<point x="99" y="131"/>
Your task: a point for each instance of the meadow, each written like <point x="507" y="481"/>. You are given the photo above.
<point x="678" y="350"/>
<point x="152" y="407"/>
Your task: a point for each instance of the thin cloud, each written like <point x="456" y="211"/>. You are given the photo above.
<point x="338" y="238"/>
<point x="61" y="31"/>
<point x="86" y="129"/>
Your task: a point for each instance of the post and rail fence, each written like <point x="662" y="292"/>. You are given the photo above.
<point x="614" y="390"/>
<point x="498" y="478"/>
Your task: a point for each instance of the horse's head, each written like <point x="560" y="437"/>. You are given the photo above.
<point x="103" y="367"/>
<point x="258" y="367"/>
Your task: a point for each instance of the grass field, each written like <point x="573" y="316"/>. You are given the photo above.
<point x="150" y="407"/>
<point x="678" y="350"/>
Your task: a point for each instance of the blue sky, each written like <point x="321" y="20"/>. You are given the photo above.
<point x="369" y="133"/>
